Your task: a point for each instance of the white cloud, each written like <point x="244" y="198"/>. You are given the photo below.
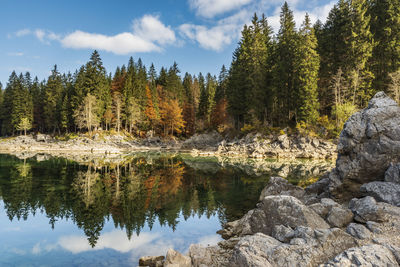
<point x="23" y="32"/>
<point x="214" y="38"/>
<point x="119" y="44"/>
<point x="147" y="36"/>
<point x="15" y="54"/>
<point x="211" y="8"/>
<point x="150" y="28"/>
<point x="225" y="31"/>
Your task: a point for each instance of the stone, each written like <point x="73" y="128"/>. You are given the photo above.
<point x="309" y="248"/>
<point x="283" y="210"/>
<point x="282" y="233"/>
<point x="339" y="217"/>
<point x="392" y="174"/>
<point x="281" y="186"/>
<point x="369" y="255"/>
<point x="358" y="231"/>
<point x="369" y="142"/>
<point x="373" y="227"/>
<point x="174" y="258"/>
<point x="387" y="192"/>
<point x="151" y="261"/>
<point x="284" y="141"/>
<point x="366" y="209"/>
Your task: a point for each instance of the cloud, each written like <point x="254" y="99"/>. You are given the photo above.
<point x="119" y="44"/>
<point x="225" y="31"/>
<point x="22" y="32"/>
<point x="15" y="54"/>
<point x="150" y="28"/>
<point x="149" y="33"/>
<point x="211" y="8"/>
<point x="44" y="36"/>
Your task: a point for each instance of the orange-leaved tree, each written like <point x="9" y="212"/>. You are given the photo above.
<point x="171" y="116"/>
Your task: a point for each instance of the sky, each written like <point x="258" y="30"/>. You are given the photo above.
<point x="200" y="35"/>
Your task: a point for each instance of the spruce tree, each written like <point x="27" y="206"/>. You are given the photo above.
<point x="284" y="75"/>
<point x="307" y="67"/>
<point x="52" y="99"/>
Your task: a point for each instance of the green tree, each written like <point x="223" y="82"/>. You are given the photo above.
<point x="24" y="125"/>
<point x="284" y="76"/>
<point x="87" y="116"/>
<point x="52" y="99"/>
<point x="385" y="27"/>
<point x="307" y="67"/>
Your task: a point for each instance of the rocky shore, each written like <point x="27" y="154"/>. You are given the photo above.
<point x="208" y="144"/>
<point x="350" y="217"/>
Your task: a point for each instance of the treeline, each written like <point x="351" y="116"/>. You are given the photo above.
<point x="133" y="99"/>
<point x="308" y="77"/>
<point x="305" y="76"/>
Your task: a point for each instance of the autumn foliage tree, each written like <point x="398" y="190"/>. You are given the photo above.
<point x="171" y="117"/>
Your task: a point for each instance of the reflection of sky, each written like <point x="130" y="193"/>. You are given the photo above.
<point x="34" y="243"/>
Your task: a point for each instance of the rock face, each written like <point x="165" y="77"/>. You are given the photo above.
<point x="368" y="144"/>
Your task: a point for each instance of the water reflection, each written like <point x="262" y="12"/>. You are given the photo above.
<point x="134" y="192"/>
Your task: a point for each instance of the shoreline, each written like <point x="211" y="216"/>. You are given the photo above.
<point x="253" y="146"/>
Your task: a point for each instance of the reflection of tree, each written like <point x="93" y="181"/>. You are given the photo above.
<point x="135" y="192"/>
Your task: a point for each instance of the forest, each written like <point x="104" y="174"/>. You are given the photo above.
<point x="308" y="78"/>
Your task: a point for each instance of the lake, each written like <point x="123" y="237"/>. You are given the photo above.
<point x="111" y="211"/>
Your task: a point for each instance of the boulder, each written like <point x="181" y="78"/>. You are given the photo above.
<point x="283" y="210"/>
<point x="339" y="217"/>
<point x="367" y="209"/>
<point x="383" y="191"/>
<point x="369" y="255"/>
<point x="369" y="142"/>
<point x="310" y="248"/>
<point x="358" y="231"/>
<point x="176" y="259"/>
<point x="392" y="174"/>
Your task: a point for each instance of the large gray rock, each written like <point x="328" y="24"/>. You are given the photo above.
<point x="392" y="174"/>
<point x="383" y="191"/>
<point x="273" y="211"/>
<point x="369" y="255"/>
<point x="367" y="209"/>
<point x="369" y="142"/>
<point x="309" y="248"/>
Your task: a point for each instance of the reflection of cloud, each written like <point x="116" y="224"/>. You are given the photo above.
<point x="209" y="240"/>
<point x="12" y="229"/>
<point x="116" y="240"/>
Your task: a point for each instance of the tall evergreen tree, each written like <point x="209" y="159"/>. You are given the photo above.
<point x="286" y="90"/>
<point x="52" y="99"/>
<point x="307" y="66"/>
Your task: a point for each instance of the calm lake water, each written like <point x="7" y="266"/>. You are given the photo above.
<point x="57" y="212"/>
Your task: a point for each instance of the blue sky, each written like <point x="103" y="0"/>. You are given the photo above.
<point x="200" y="35"/>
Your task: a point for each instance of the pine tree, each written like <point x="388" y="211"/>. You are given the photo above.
<point x="150" y="112"/>
<point x="361" y="45"/>
<point x="52" y="97"/>
<point x="307" y="67"/>
<point x="286" y="91"/>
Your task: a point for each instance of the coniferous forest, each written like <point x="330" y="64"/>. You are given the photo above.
<point x="306" y="77"/>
